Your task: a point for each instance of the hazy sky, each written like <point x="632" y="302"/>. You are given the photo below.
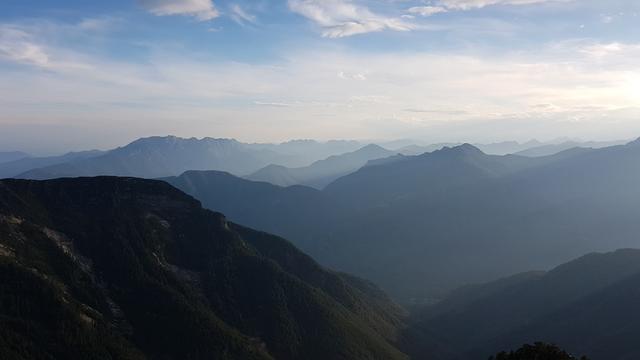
<point x="82" y="74"/>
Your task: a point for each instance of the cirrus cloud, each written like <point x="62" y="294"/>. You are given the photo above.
<point x="342" y="18"/>
<point x="202" y="10"/>
<point x="477" y="4"/>
<point x="443" y="6"/>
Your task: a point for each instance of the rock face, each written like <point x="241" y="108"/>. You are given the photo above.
<point x="122" y="268"/>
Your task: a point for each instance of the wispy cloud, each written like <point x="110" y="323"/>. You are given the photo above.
<point x="444" y="6"/>
<point x="272" y="104"/>
<point x="202" y="10"/>
<point x="594" y="88"/>
<point x="342" y="18"/>
<point x="477" y="4"/>
<point x="427" y="10"/>
<point x="16" y="45"/>
<point x="240" y="15"/>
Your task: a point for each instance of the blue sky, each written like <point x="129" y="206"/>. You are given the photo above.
<point x="84" y="74"/>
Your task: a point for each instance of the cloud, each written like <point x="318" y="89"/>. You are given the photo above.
<point x="98" y="23"/>
<point x="444" y="6"/>
<point x="594" y="88"/>
<point x="427" y="10"/>
<point x="477" y="4"/>
<point x="342" y="18"/>
<point x="17" y="46"/>
<point x="352" y="76"/>
<point x="438" y="111"/>
<point x="202" y="10"/>
<point x="272" y="104"/>
<point x="241" y="16"/>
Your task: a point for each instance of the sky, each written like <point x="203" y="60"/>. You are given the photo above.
<point x="81" y="74"/>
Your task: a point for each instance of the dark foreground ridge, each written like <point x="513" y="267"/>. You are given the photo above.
<point x="123" y="268"/>
<point x="537" y="351"/>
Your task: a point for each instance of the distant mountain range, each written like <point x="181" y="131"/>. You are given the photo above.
<point x="167" y="156"/>
<point x="123" y="268"/>
<point x="7" y="156"/>
<point x="421" y="225"/>
<point x="550" y="149"/>
<point x="322" y="172"/>
<point x="297" y="162"/>
<point x="531" y="148"/>
<point x="588" y="306"/>
<point x="24" y="164"/>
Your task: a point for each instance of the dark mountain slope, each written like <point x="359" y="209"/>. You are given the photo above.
<point x="584" y="306"/>
<point x="322" y="172"/>
<point x="159" y="277"/>
<point x="262" y="205"/>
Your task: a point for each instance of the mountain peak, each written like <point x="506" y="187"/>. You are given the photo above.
<point x="464" y="149"/>
<point x="371" y="147"/>
<point x="635" y="142"/>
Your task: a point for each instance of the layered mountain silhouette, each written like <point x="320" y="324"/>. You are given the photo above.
<point x="304" y="152"/>
<point x="107" y="268"/>
<point x="20" y="165"/>
<point x="322" y="172"/>
<point x="498" y="148"/>
<point x="550" y="149"/>
<point x="422" y="225"/>
<point x="587" y="306"/>
<point x="168" y="156"/>
<point x="6" y="156"/>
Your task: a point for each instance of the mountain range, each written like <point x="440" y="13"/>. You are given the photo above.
<point x="322" y="172"/>
<point x="126" y="268"/>
<point x="123" y="268"/>
<point x="167" y="156"/>
<point x="421" y="225"/>
<point x="550" y="149"/>
<point x="296" y="162"/>
<point x="23" y="164"/>
<point x="6" y="156"/>
<point x="588" y="306"/>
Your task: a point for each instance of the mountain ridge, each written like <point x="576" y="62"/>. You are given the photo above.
<point x="160" y="277"/>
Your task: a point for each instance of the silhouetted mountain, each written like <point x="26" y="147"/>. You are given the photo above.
<point x="322" y="172"/>
<point x="305" y="152"/>
<point x="550" y="149"/>
<point x="164" y="156"/>
<point x="586" y="306"/>
<point x="499" y="148"/>
<point x="412" y="150"/>
<point x="539" y="351"/>
<point x="7" y="156"/>
<point x="507" y="147"/>
<point x="421" y="225"/>
<point x="264" y="205"/>
<point x="155" y="157"/>
<point x="122" y="268"/>
<point x="17" y="167"/>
